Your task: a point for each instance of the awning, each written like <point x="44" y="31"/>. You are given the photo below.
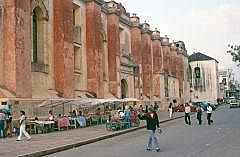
<point x="84" y="101"/>
<point x="79" y="101"/>
<point x="53" y="102"/>
<point x="130" y="100"/>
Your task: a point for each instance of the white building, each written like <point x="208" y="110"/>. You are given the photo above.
<point x="204" y="80"/>
<point x="224" y="80"/>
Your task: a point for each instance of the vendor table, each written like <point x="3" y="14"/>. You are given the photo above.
<point x="43" y="125"/>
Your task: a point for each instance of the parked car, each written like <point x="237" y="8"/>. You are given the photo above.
<point x="204" y="105"/>
<point x="234" y="104"/>
<point x="181" y="108"/>
<point x="231" y="100"/>
<point x="199" y="103"/>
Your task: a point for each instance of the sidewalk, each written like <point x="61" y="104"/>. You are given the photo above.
<point x="43" y="144"/>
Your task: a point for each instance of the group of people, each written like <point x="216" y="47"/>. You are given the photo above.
<point x="6" y="127"/>
<point x="152" y="120"/>
<point x="128" y="114"/>
<point x="5" y="124"/>
<point x="187" y="110"/>
<point x="199" y="114"/>
<point x="149" y="115"/>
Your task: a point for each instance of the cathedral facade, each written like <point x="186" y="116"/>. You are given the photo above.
<point x="87" y="48"/>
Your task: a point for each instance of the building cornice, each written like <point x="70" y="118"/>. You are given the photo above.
<point x="99" y="2"/>
<point x="149" y="32"/>
<point x="125" y="21"/>
<point x="104" y="9"/>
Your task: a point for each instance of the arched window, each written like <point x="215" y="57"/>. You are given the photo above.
<point x="39" y="33"/>
<point x="124" y="89"/>
<point x="197" y="72"/>
<point x="34" y="37"/>
<point x="38" y="40"/>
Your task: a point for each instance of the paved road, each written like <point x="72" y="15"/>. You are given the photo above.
<point x="41" y="143"/>
<point x="222" y="139"/>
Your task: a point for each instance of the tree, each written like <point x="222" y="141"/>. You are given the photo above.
<point x="234" y="50"/>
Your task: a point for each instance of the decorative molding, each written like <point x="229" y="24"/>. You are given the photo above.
<point x="129" y="58"/>
<point x="99" y="2"/>
<point x="125" y="21"/>
<point x="41" y="5"/>
<point x="44" y="68"/>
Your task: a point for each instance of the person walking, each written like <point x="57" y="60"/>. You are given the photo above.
<point x="170" y="110"/>
<point x="199" y="114"/>
<point x="22" y="122"/>
<point x="209" y="114"/>
<point x="187" y="114"/>
<point x="156" y="107"/>
<point x="9" y="127"/>
<point x="2" y="124"/>
<point x="127" y="113"/>
<point x="152" y="124"/>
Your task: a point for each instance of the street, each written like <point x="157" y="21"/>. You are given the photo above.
<point x="177" y="140"/>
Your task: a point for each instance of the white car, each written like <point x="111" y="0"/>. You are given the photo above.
<point x="234" y="103"/>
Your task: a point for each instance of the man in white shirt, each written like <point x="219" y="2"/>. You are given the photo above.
<point x="209" y="114"/>
<point x="187" y="114"/>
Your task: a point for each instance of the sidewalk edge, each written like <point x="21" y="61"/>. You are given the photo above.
<point x="89" y="141"/>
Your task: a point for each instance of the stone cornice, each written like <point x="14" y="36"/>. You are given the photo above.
<point x="129" y="57"/>
<point x="183" y="53"/>
<point x="124" y="21"/>
<point x="136" y="26"/>
<point x="149" y="32"/>
<point x="157" y="72"/>
<point x="156" y="38"/>
<point x="172" y="76"/>
<point x="99" y="2"/>
<point x="113" y="12"/>
<point x="128" y="65"/>
<point x="112" y="7"/>
<point x="104" y="9"/>
<point x="166" y="45"/>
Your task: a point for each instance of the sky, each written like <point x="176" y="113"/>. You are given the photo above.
<point x="206" y="26"/>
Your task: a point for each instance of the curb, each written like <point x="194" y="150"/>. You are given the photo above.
<point x="89" y="141"/>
